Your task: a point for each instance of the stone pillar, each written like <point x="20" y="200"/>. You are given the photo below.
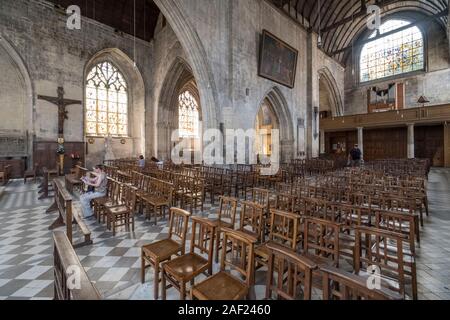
<point x="411" y="151"/>
<point x="322" y="141"/>
<point x="361" y="141"/>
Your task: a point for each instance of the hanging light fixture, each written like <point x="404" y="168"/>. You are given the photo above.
<point x="319" y="39"/>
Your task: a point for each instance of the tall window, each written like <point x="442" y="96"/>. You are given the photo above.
<point x="106" y="102"/>
<point x="395" y="54"/>
<point x="188" y="115"/>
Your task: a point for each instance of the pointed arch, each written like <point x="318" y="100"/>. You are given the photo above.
<point x="179" y="78"/>
<point x="337" y="106"/>
<point x="29" y="92"/>
<point x="281" y="110"/>
<point x="136" y="93"/>
<point x="196" y="53"/>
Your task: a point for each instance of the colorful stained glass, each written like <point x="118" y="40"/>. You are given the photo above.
<point x="395" y="54"/>
<point x="188" y="115"/>
<point x="106" y="102"/>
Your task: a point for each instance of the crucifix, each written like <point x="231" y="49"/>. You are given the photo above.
<point x="62" y="104"/>
<point x="62" y="116"/>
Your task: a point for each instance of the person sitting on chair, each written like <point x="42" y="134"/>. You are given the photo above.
<point x="99" y="183"/>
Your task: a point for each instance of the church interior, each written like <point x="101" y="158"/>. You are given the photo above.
<point x="224" y="150"/>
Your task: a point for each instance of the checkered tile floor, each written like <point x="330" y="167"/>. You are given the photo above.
<point x="26" y="259"/>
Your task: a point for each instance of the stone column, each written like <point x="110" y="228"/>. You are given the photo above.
<point x="322" y="141"/>
<point x="411" y="151"/>
<point x="361" y="141"/>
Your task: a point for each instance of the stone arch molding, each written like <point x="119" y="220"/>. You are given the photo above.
<point x="195" y="51"/>
<point x="282" y="112"/>
<point x="179" y="77"/>
<point x="136" y="94"/>
<point x="332" y="87"/>
<point x="28" y="87"/>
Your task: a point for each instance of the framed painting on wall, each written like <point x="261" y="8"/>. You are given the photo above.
<point x="278" y="60"/>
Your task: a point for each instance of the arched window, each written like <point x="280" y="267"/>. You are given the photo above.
<point x="106" y="102"/>
<point x="188" y="115"/>
<point x="397" y="53"/>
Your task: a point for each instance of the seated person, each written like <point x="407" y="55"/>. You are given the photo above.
<point x="99" y="183"/>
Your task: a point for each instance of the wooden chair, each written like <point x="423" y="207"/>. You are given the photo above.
<point x="284" y="231"/>
<point x="404" y="223"/>
<point x="321" y="241"/>
<point x="112" y="199"/>
<point x="74" y="180"/>
<point x="252" y="220"/>
<point x="342" y="285"/>
<point x="294" y="274"/>
<point x="122" y="215"/>
<point x="194" y="193"/>
<point x="384" y="250"/>
<point x="181" y="270"/>
<point x="240" y="259"/>
<point x="31" y="173"/>
<point x="226" y="218"/>
<point x="159" y="196"/>
<point x="164" y="250"/>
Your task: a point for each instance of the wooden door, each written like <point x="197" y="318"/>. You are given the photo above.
<point x="429" y="144"/>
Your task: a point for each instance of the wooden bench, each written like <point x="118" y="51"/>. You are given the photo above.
<point x="67" y="264"/>
<point x="74" y="180"/>
<point x="5" y="173"/>
<point x="48" y="175"/>
<point x="68" y="214"/>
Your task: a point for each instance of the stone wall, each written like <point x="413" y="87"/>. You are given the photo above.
<point x="434" y="83"/>
<point x="56" y="56"/>
<point x="230" y="34"/>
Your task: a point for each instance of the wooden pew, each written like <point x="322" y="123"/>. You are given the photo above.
<point x="74" y="180"/>
<point x="68" y="214"/>
<point x="46" y="180"/>
<point x="5" y="173"/>
<point x="66" y="262"/>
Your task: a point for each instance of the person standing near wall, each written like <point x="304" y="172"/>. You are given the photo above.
<point x="355" y="156"/>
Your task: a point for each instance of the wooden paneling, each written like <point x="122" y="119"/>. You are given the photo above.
<point x="386" y="143"/>
<point x="429" y="144"/>
<point x="44" y="153"/>
<point x="447" y="145"/>
<point x="17" y="167"/>
<point x="426" y="116"/>
<point x="345" y="139"/>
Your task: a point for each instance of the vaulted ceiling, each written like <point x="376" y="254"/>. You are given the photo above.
<point x="120" y="14"/>
<point x="341" y="22"/>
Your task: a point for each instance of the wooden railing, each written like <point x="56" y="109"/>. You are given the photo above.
<point x="66" y="266"/>
<point x="68" y="214"/>
<point x="423" y="115"/>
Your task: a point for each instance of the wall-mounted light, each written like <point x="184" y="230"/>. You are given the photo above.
<point x="423" y="100"/>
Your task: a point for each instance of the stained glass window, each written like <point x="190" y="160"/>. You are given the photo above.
<point x="188" y="115"/>
<point x="395" y="54"/>
<point x="106" y="102"/>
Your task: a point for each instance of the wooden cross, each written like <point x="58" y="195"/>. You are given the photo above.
<point x="62" y="104"/>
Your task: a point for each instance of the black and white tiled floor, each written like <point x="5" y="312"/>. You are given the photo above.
<point x="26" y="259"/>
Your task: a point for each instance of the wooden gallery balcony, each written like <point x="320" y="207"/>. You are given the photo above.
<point x="386" y="134"/>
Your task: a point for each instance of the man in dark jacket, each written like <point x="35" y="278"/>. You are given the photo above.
<point x="355" y="156"/>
